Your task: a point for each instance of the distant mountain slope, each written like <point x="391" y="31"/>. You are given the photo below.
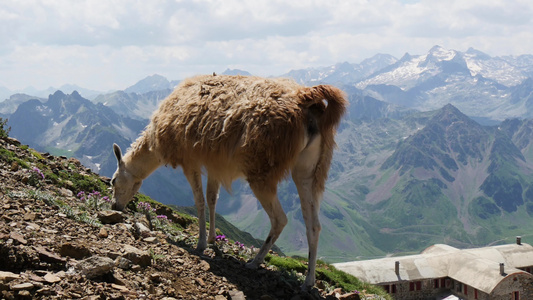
<point x="73" y="126"/>
<point x="11" y="104"/>
<point x="342" y="73"/>
<point x="479" y="85"/>
<point x="133" y="105"/>
<point x="445" y="182"/>
<point x="151" y="83"/>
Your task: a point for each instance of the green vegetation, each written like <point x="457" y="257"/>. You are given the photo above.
<point x="51" y="200"/>
<point x="4" y="129"/>
<point x="10" y="157"/>
<point x="327" y="273"/>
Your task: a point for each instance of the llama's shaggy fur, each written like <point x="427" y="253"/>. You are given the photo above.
<point x="241" y="126"/>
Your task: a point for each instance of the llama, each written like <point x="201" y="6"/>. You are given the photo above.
<point x="240" y="126"/>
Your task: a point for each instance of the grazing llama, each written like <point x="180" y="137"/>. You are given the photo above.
<point x="240" y="126"/>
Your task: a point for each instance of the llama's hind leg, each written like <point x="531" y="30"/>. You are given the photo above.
<point x="310" y="204"/>
<point x="270" y="202"/>
<point x="213" y="187"/>
<point x="195" y="180"/>
<point x="304" y="177"/>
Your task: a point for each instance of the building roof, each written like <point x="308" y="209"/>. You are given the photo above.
<point x="478" y="268"/>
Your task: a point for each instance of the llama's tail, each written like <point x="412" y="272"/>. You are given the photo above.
<point x="335" y="108"/>
<point x="330" y="117"/>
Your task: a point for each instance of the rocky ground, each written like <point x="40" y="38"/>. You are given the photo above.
<point x="50" y="249"/>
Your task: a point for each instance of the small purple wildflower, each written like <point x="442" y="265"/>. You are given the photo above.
<point x="80" y="194"/>
<point x="221" y="238"/>
<point x="145" y="206"/>
<point x="106" y="199"/>
<point x="162" y="217"/>
<point x="38" y="171"/>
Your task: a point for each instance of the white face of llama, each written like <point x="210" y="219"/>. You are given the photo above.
<point x="125" y="185"/>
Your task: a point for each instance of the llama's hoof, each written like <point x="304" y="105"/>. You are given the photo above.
<point x="308" y="284"/>
<point x="251" y="265"/>
<point x="201" y="247"/>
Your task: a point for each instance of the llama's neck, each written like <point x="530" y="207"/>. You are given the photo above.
<point x="141" y="162"/>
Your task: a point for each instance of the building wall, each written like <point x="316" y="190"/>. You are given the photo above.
<point x="467" y="292"/>
<point x="430" y="288"/>
<point x="418" y="290"/>
<point x="520" y="282"/>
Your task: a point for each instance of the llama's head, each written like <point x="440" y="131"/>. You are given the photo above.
<point x="125" y="184"/>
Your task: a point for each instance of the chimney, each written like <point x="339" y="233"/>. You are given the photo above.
<point x="502" y="269"/>
<point x="519" y="240"/>
<point x="397" y="268"/>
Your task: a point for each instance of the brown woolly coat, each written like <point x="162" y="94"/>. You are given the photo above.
<point x="236" y="126"/>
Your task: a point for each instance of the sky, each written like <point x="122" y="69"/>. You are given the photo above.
<point x="111" y="44"/>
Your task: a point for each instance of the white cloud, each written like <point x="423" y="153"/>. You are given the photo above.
<point x="112" y="44"/>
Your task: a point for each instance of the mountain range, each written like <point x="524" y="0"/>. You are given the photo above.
<point x="435" y="148"/>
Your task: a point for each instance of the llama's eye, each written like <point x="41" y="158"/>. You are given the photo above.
<point x="113" y="181"/>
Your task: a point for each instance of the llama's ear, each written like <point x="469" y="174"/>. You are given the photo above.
<point x="118" y="153"/>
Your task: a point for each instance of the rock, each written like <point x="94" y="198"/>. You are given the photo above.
<point x="33" y="226"/>
<point x="77" y="251"/>
<point x="13" y="141"/>
<point x="120" y="287"/>
<point x="23" y="286"/>
<point x="29" y="216"/>
<point x="6" y="277"/>
<point x="155" y="277"/>
<point x="24" y="294"/>
<point x="95" y="266"/>
<point x="123" y="263"/>
<point x="103" y="233"/>
<point x="48" y="256"/>
<point x="66" y="192"/>
<point x="220" y="297"/>
<point x="18" y="237"/>
<point x="204" y="265"/>
<point x="151" y="240"/>
<point x="138" y="257"/>
<point x="35" y="278"/>
<point x="136" y="268"/>
<point x="142" y="230"/>
<point x="110" y="216"/>
<point x="237" y="295"/>
<point x="51" y="278"/>
<point x="200" y="281"/>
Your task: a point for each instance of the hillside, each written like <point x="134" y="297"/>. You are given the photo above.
<point x="57" y="242"/>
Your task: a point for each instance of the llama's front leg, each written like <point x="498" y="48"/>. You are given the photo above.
<point x="213" y="187"/>
<point x="195" y="180"/>
<point x="270" y="202"/>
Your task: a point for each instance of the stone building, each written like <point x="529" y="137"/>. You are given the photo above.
<point x="445" y="272"/>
